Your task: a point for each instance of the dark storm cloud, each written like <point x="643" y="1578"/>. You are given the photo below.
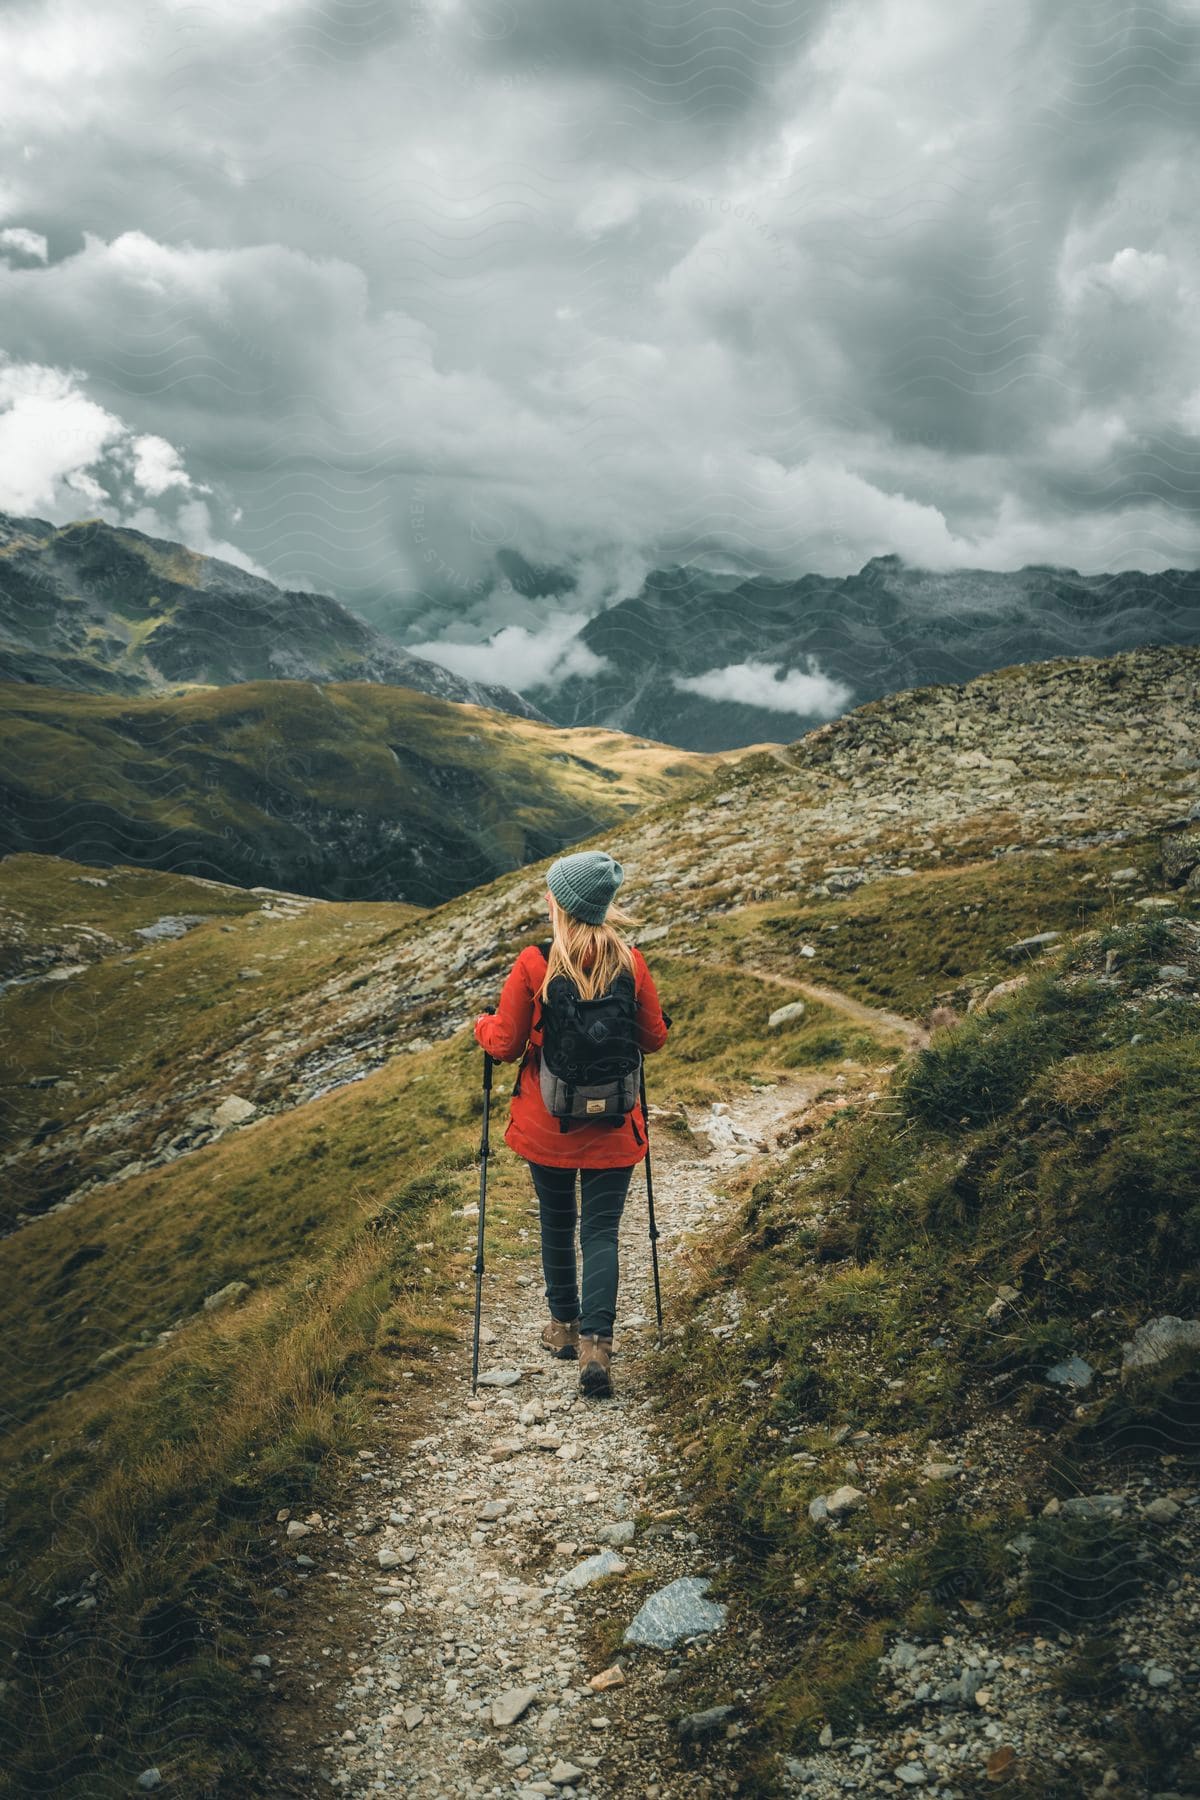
<point x="365" y="294"/>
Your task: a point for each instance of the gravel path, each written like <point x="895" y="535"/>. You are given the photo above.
<point x="453" y="1571"/>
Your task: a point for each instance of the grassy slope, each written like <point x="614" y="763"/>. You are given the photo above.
<point x="1048" y="1144"/>
<point x="352" y="790"/>
<point x="162" y="1470"/>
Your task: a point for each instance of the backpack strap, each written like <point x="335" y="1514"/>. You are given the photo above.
<point x="537" y="1019"/>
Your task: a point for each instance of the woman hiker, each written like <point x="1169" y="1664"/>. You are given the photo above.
<point x="589" y="949"/>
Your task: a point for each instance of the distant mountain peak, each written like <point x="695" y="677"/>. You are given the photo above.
<point x="103" y="608"/>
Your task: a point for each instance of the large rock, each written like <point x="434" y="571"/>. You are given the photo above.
<point x="1180" y="852"/>
<point x="675" y="1612"/>
<point x="694" y="1728"/>
<point x="226" y="1296"/>
<point x="234" y="1111"/>
<point x="508" y="1707"/>
<point x="1072" y="1372"/>
<point x="1152" y="1344"/>
<point x="593" y="1568"/>
<point x="786" y="1015"/>
<point x="1032" y="946"/>
<point x="995" y="994"/>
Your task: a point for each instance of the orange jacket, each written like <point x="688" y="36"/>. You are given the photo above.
<point x="509" y="1032"/>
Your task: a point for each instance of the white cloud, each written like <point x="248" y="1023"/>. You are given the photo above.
<point x="63" y="456"/>
<point x="49" y="432"/>
<point x="21" y="242"/>
<point x="614" y="285"/>
<point x="156" y="466"/>
<point x="752" y="683"/>
<point x="519" y="658"/>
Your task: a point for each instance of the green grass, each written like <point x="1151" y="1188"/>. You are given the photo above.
<point x="349" y="790"/>
<point x="1038" y="1146"/>
<point x="904" y="941"/>
<point x="164" y="1471"/>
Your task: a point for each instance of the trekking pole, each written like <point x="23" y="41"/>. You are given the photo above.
<point x="650" y="1206"/>
<point x="483" y="1164"/>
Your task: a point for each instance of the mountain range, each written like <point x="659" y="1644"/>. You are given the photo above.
<point x="704" y="660"/>
<point x="696" y="658"/>
<point x="105" y="609"/>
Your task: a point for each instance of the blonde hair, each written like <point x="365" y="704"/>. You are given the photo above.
<point x="590" y="955"/>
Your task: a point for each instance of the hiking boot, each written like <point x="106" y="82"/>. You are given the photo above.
<point x="561" y="1339"/>
<point x="594" y="1356"/>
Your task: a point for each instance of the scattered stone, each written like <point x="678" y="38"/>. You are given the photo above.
<point x="621" y="1532"/>
<point x="149" y="1778"/>
<point x="1162" y="1511"/>
<point x="1094" y="1506"/>
<point x="1072" y="1372"/>
<point x="226" y="1296"/>
<point x="1180" y="853"/>
<point x="843" y="1500"/>
<point x="297" y="1530"/>
<point x="1152" y="1343"/>
<point x="508" y="1707"/>
<point x="676" y="1611"/>
<point x="607" y="1678"/>
<point x="1172" y="972"/>
<point x="500" y="1378"/>
<point x="994" y="995"/>
<point x="695" y="1728"/>
<point x="492" y="1510"/>
<point x="593" y="1568"/>
<point x="1029" y="946"/>
<point x="940" y="1471"/>
<point x="234" y="1111"/>
<point x="785" y="1015"/>
<point x="565" y="1774"/>
<point x="412" y="1717"/>
<point x="912" y="1774"/>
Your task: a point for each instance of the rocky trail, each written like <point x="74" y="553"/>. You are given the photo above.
<point x="455" y="1635"/>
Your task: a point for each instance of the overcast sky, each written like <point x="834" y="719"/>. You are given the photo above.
<point x="356" y="293"/>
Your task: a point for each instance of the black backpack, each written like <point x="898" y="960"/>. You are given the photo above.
<point x="590" y="1066"/>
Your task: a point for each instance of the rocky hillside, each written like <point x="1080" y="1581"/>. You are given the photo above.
<point x="103" y="609"/>
<point x="347" y="790"/>
<point x="889" y="627"/>
<point x="241" y="1136"/>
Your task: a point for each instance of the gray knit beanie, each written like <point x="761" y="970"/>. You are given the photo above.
<point x="584" y="884"/>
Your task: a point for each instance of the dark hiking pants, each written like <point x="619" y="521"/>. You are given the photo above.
<point x="601" y="1202"/>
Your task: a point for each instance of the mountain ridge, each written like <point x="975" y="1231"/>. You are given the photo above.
<point x="891" y="627"/>
<point x="104" y="608"/>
